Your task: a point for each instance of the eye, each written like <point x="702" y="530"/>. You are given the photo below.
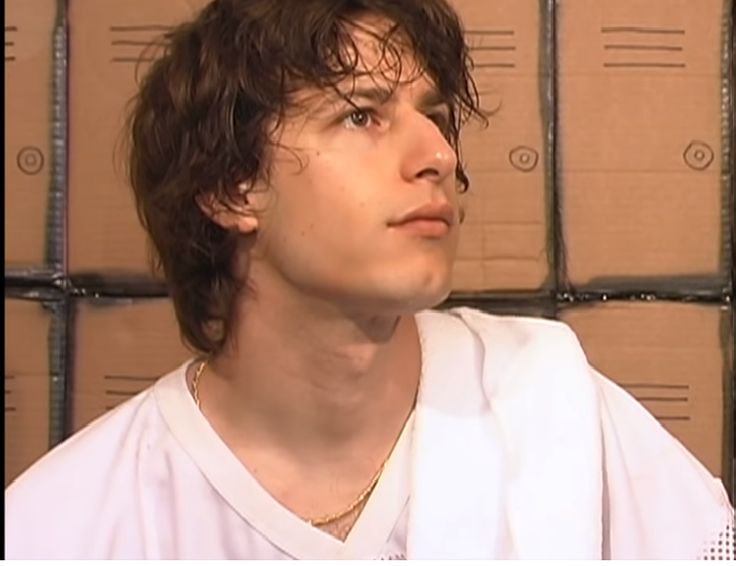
<point x="359" y="118"/>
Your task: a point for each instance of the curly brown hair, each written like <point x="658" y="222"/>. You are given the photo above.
<point x="202" y="120"/>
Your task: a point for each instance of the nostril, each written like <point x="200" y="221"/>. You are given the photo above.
<point x="429" y="172"/>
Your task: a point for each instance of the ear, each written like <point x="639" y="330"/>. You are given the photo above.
<point x="233" y="215"/>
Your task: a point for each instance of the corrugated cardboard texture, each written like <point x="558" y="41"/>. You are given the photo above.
<point x="28" y="112"/>
<point x="640" y="144"/>
<point x="120" y="348"/>
<point x="27" y="384"/>
<point x="671" y="357"/>
<point x="503" y="243"/>
<point x="107" y="43"/>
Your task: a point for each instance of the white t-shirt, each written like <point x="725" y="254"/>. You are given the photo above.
<point x="151" y="479"/>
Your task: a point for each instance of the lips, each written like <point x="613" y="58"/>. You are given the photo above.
<point x="432" y="212"/>
<point x="431" y="221"/>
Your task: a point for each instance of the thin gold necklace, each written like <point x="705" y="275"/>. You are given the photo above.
<point x="324" y="519"/>
<point x="195" y="382"/>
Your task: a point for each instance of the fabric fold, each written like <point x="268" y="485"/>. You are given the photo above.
<point x="522" y="450"/>
<point x="456" y="506"/>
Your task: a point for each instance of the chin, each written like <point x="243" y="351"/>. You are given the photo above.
<point x="424" y="303"/>
<point x="432" y="293"/>
<point x="414" y="291"/>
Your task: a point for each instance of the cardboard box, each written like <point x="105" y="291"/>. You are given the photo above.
<point x="504" y="239"/>
<point x="27" y="384"/>
<point x="29" y="29"/>
<point x="529" y="306"/>
<point x="120" y="347"/>
<point x="676" y="358"/>
<point x="641" y="139"/>
<point x="107" y="56"/>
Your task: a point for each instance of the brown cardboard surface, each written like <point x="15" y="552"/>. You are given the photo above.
<point x="671" y="357"/>
<point x="640" y="138"/>
<point x="120" y="348"/>
<point x="27" y="384"/>
<point x="107" y="40"/>
<point x="503" y="242"/>
<point x="28" y="104"/>
<point x="536" y="308"/>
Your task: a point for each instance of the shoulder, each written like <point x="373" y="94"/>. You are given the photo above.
<point x="60" y="497"/>
<point x="522" y="329"/>
<point x="513" y="355"/>
<point x="510" y="337"/>
<point x="513" y="329"/>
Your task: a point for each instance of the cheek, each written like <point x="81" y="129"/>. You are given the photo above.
<point x="333" y="189"/>
<point x="319" y="212"/>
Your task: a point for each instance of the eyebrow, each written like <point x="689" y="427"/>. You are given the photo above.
<point x="377" y="94"/>
<point x="381" y="95"/>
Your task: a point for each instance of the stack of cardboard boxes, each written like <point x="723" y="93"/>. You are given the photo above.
<point x="86" y="325"/>
<point x="601" y="194"/>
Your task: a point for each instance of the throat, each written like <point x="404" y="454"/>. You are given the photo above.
<point x="319" y="448"/>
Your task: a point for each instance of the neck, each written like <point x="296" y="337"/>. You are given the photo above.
<point x="312" y="379"/>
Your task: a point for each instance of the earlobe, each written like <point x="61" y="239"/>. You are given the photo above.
<point x="231" y="215"/>
<point x="243" y="189"/>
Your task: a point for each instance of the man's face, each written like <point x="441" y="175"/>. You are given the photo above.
<point x="362" y="206"/>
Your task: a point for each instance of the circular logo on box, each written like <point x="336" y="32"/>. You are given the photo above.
<point x="524" y="158"/>
<point x="698" y="155"/>
<point x="30" y="160"/>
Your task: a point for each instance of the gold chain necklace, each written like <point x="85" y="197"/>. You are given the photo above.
<point x="319" y="521"/>
<point x="195" y="382"/>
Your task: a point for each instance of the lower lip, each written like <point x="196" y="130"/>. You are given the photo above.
<point x="425" y="227"/>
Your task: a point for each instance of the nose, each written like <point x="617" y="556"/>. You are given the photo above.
<point x="428" y="155"/>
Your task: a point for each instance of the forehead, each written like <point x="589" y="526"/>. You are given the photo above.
<point x="376" y="54"/>
<point x="379" y="44"/>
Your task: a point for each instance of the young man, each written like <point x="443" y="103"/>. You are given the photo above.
<point x="295" y="164"/>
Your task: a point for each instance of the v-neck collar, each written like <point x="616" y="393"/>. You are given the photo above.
<point x="237" y="486"/>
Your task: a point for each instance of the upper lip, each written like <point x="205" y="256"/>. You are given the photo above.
<point x="433" y="211"/>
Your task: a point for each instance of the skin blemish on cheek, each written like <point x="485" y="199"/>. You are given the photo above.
<point x="310" y="228"/>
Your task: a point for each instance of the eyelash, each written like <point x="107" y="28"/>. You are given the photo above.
<point x="370" y="113"/>
<point x="439" y="119"/>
